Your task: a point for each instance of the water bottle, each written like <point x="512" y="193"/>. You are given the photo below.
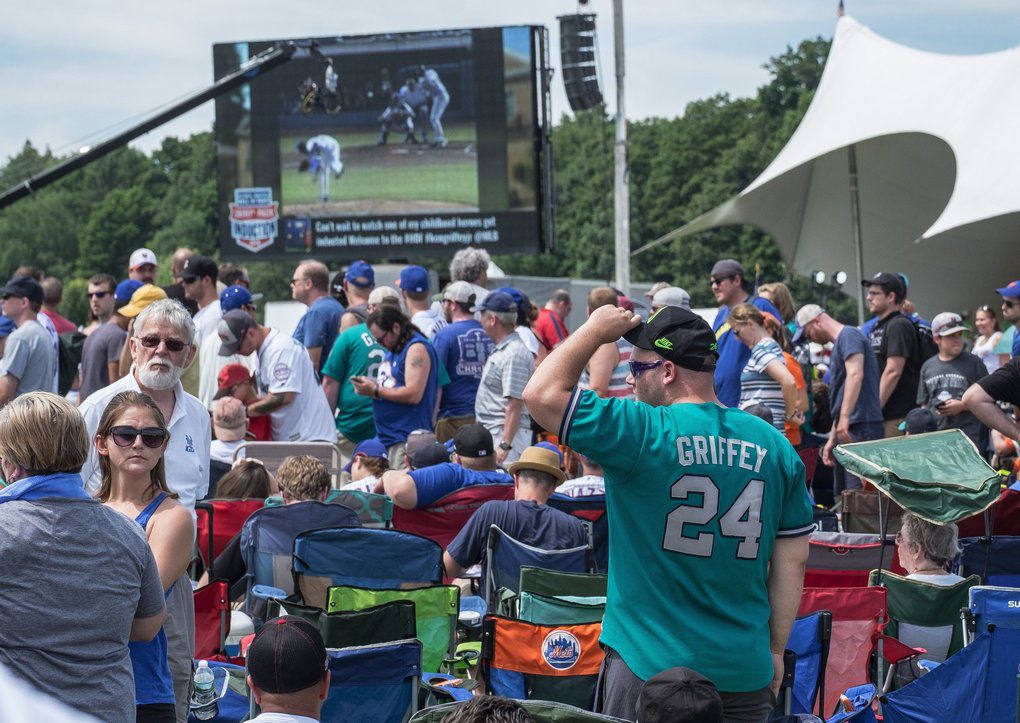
<point x="204" y="702"/>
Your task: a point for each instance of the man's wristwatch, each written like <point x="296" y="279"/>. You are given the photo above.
<point x="505" y="447"/>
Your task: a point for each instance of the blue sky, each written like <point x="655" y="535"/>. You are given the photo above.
<point x="70" y="69"/>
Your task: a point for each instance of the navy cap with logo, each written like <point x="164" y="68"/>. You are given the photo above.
<point x="198" y="267"/>
<point x="473" y="440"/>
<point x="890" y="283"/>
<point x="497" y="301"/>
<point x="287" y="655"/>
<point x="24" y="286"/>
<point x="677" y="335"/>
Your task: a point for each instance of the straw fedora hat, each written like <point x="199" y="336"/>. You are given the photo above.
<point x="541" y="460"/>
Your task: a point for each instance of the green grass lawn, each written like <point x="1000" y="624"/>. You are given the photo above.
<point x="455" y="182"/>
<point x="396" y="137"/>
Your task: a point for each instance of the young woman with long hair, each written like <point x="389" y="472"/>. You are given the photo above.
<point x="130" y="440"/>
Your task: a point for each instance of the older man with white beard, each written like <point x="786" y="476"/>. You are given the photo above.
<point x="161" y="348"/>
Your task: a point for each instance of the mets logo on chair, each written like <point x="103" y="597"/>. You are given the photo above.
<point x="561" y="650"/>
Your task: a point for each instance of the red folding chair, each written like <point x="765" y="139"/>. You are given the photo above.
<point x="844" y="559"/>
<point x="858" y="618"/>
<point x="442" y="520"/>
<point x="217" y="522"/>
<point x="212" y="620"/>
<point x="1003" y="517"/>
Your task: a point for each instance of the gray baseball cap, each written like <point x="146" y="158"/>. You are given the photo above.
<point x="232" y="328"/>
<point x="672" y="296"/>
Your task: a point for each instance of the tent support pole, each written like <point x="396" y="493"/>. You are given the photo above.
<point x="855" y="218"/>
<point x="621" y="183"/>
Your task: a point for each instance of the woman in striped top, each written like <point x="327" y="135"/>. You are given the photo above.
<point x="765" y="379"/>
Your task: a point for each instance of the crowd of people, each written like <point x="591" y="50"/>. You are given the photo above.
<point x="697" y="434"/>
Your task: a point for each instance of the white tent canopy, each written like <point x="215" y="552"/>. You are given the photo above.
<point x="937" y="140"/>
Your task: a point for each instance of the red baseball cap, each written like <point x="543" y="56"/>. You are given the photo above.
<point x="229" y="377"/>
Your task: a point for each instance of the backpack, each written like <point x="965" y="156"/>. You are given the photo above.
<point x="926" y="346"/>
<point x="69" y="346"/>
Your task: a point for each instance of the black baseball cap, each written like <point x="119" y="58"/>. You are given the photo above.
<point x="197" y="267"/>
<point x="678" y="695"/>
<point x="891" y="283"/>
<point x="24" y="286"/>
<point x="678" y="335"/>
<point x="473" y="440"/>
<point x="287" y="655"/>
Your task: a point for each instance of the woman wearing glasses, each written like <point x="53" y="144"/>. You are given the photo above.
<point x="765" y="378"/>
<point x="987" y="324"/>
<point x="131" y="439"/>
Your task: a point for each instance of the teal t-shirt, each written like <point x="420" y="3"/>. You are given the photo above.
<point x="696" y="496"/>
<point x="355" y="353"/>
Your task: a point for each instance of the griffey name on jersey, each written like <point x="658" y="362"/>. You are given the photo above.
<point x="727" y="452"/>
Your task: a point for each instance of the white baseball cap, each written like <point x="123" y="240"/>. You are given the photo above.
<point x="140" y="257"/>
<point x="947" y="323"/>
<point x="459" y="291"/>
<point x="382" y="294"/>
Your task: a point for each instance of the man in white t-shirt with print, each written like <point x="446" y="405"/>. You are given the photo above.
<point x="293" y="399"/>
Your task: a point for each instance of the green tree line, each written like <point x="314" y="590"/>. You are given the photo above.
<point x="680" y="167"/>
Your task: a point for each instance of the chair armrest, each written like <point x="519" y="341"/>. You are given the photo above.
<point x="893" y="651"/>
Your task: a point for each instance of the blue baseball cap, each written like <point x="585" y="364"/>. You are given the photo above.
<point x="519" y="297"/>
<point x="6" y="326"/>
<point x="125" y="289"/>
<point x="361" y="274"/>
<point x="369" y="448"/>
<point x="235" y="297"/>
<point x="414" y="279"/>
<point x="497" y="301"/>
<point x="552" y="448"/>
<point x="1010" y="291"/>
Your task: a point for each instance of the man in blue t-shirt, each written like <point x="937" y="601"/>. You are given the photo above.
<point x="853" y="389"/>
<point x="1011" y="311"/>
<point x="526" y="518"/>
<point x="317" y="329"/>
<point x="474" y="463"/>
<point x="462" y="348"/>
<point x="730" y="287"/>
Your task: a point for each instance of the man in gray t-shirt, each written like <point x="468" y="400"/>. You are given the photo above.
<point x="100" y="355"/>
<point x="75" y="575"/>
<point x="29" y="363"/>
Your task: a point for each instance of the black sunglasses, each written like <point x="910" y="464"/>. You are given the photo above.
<point x="719" y="279"/>
<point x="151" y="342"/>
<point x="152" y="437"/>
<point x="98" y="294"/>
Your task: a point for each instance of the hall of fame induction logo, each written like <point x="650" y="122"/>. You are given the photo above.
<point x="561" y="650"/>
<point x="254" y="218"/>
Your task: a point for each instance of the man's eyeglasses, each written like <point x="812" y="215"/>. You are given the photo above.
<point x="152" y="437"/>
<point x="151" y="342"/>
<point x="295" y="281"/>
<point x="717" y="280"/>
<point x="638" y="368"/>
<point x="98" y="294"/>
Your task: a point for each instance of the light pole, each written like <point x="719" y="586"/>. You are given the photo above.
<point x="621" y="183"/>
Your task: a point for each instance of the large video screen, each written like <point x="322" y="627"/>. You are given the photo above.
<point x="384" y="146"/>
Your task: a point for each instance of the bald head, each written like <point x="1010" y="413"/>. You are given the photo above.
<point x="316" y="273"/>
<point x="601" y="296"/>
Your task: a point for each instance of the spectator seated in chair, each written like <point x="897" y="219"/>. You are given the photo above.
<point x="367" y="466"/>
<point x="288" y="671"/>
<point x="926" y="550"/>
<point x="248" y="479"/>
<point x="526" y="518"/>
<point x="474" y="463"/>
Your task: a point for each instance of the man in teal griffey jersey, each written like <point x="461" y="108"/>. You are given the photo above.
<point x="708" y="513"/>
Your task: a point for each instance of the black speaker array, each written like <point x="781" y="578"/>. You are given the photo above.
<point x="579" y="61"/>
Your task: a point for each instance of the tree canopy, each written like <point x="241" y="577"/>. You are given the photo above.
<point x="90" y="221"/>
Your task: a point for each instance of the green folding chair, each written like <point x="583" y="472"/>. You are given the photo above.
<point x="553" y="583"/>
<point x="436" y="611"/>
<point x="550" y="597"/>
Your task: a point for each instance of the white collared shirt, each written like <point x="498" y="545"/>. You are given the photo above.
<point x="187" y="455"/>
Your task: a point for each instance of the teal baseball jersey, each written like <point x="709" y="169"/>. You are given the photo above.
<point x="696" y="496"/>
<point x="355" y="353"/>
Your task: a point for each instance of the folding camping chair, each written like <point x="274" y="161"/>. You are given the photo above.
<point x="376" y="559"/>
<point x="593" y="511"/>
<point x="858" y="616"/>
<point x="231" y="686"/>
<point x="435" y="609"/>
<point x="995" y="559"/>
<point x="921" y="615"/>
<point x="384" y="623"/>
<point x="212" y="620"/>
<point x="543" y="711"/>
<point x="809" y="643"/>
<point x="267" y="543"/>
<point x="217" y="522"/>
<point x="373" y="510"/>
<point x="541" y="662"/>
<point x="444" y="518"/>
<point x="550" y="597"/>
<point x="272" y="454"/>
<point x="373" y="683"/>
<point x="863" y="510"/>
<point x="1001" y="519"/>
<point x="844" y="559"/>
<point x="505" y="556"/>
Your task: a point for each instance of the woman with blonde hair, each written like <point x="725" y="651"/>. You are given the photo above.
<point x="130" y="440"/>
<point x="765" y="378"/>
<point x="779" y="294"/>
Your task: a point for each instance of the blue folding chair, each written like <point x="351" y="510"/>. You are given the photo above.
<point x="373" y="683"/>
<point x="505" y="556"/>
<point x="362" y="557"/>
<point x="809" y="642"/>
<point x="995" y="559"/>
<point x="267" y="543"/>
<point x="593" y="510"/>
